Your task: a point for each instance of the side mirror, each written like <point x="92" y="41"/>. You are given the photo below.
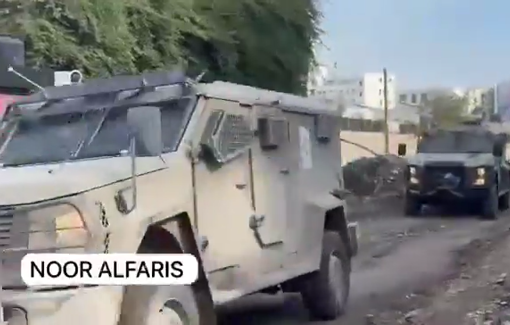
<point x="145" y="126"/>
<point x="402" y="149"/>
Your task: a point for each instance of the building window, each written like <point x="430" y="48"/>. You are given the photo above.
<point x="380" y="91"/>
<point x="423" y="98"/>
<point x="414" y="99"/>
<point x="361" y="94"/>
<point x="361" y="83"/>
<point x="380" y="80"/>
<point x="403" y="98"/>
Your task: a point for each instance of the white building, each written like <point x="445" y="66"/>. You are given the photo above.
<point x="317" y="77"/>
<point x="422" y="96"/>
<point x="367" y="90"/>
<point x="478" y="98"/>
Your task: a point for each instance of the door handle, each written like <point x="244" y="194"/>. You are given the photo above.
<point x="285" y="171"/>
<point x="241" y="186"/>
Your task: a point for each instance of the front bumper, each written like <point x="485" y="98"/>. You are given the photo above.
<point x="446" y="194"/>
<point x="82" y="306"/>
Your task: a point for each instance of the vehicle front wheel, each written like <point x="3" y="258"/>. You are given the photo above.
<point x="326" y="292"/>
<point x="159" y="305"/>
<point x="490" y="204"/>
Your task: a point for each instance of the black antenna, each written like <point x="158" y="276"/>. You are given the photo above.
<point x="200" y="76"/>
<point x="33" y="83"/>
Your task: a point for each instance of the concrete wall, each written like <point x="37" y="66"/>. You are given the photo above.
<point x="374" y="141"/>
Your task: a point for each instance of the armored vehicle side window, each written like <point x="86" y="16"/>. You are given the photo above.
<point x="226" y="136"/>
<point x="234" y="135"/>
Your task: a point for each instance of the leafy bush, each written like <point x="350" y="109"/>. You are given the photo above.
<point x="264" y="43"/>
<point x="370" y="176"/>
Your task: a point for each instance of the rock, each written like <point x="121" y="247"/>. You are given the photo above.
<point x="370" y="319"/>
<point x="411" y="316"/>
<point x="501" y="280"/>
<point x="503" y="317"/>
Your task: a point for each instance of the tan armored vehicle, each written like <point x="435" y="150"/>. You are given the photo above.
<point x="240" y="177"/>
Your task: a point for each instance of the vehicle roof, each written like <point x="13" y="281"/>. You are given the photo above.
<point x="488" y="127"/>
<point x="253" y="96"/>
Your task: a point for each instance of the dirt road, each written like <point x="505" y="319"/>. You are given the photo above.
<point x="399" y="258"/>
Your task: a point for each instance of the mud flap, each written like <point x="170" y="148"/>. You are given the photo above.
<point x="353" y="231"/>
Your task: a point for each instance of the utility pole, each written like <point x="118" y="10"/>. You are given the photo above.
<point x="386" y="127"/>
<point x="495" y="99"/>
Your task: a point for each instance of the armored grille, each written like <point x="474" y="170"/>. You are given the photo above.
<point x="435" y="176"/>
<point x="14" y="235"/>
<point x="6" y="223"/>
<point x="234" y="136"/>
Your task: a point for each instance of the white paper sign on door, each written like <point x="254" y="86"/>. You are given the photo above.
<point x="305" y="148"/>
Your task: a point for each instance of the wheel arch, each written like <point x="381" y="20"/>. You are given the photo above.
<point x="335" y="219"/>
<point x="175" y="235"/>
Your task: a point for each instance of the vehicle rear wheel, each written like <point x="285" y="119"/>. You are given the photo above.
<point x="326" y="292"/>
<point x="412" y="206"/>
<point x="504" y="201"/>
<point x="490" y="205"/>
<point x="159" y="305"/>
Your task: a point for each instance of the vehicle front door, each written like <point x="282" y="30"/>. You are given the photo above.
<point x="224" y="198"/>
<point x="271" y="173"/>
<point x="504" y="171"/>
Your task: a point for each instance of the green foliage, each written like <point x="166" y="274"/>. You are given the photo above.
<point x="447" y="110"/>
<point x="264" y="43"/>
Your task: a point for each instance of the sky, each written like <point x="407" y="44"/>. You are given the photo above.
<point x="425" y="43"/>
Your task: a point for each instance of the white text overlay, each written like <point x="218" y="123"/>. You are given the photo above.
<point x="109" y="269"/>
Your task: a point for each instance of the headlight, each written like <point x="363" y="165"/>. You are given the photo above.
<point x="480" y="171"/>
<point x="58" y="227"/>
<point x="412" y="170"/>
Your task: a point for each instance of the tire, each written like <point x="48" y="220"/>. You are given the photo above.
<point x="504" y="202"/>
<point x="153" y="305"/>
<point x="490" y="205"/>
<point x="326" y="292"/>
<point x="412" y="206"/>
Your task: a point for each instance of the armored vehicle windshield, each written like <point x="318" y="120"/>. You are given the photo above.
<point x="457" y="141"/>
<point x="90" y="126"/>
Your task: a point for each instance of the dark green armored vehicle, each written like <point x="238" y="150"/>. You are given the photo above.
<point x="461" y="166"/>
